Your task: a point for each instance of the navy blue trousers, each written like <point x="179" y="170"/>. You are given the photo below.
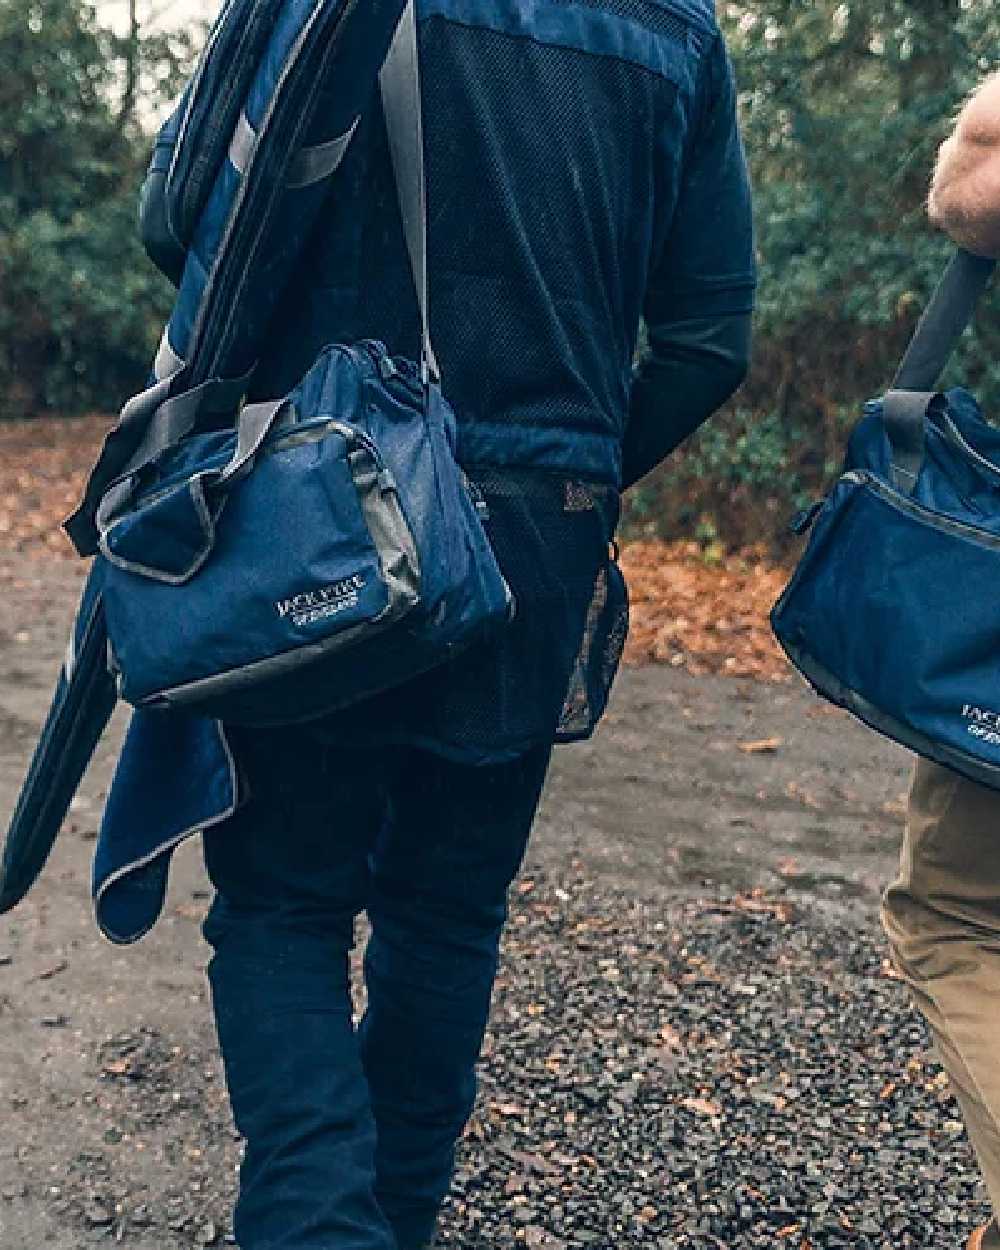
<point x="351" y="1132"/>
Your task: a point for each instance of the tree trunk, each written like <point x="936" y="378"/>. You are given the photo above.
<point x="132" y="66"/>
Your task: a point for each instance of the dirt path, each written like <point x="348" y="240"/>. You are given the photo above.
<point x="114" y="1118"/>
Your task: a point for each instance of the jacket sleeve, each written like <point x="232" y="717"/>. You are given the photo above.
<point x="691" y="369"/>
<point x="700" y="295"/>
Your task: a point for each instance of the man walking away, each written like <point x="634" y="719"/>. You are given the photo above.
<point x="584" y="170"/>
<point x="943" y="913"/>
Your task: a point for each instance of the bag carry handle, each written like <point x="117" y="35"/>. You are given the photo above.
<point x="400" y="85"/>
<point x="945" y="320"/>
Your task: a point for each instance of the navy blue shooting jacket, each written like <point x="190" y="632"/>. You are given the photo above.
<point x="584" y="171"/>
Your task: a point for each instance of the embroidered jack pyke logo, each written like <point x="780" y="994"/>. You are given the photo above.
<point x="983" y="723"/>
<point x="319" y="605"/>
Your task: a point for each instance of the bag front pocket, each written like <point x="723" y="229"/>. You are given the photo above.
<point x="310" y="551"/>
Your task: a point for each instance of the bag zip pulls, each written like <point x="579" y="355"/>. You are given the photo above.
<point x="803" y="520"/>
<point x="956" y="437"/>
<point x="904" y="503"/>
<point x="389" y="369"/>
<point x="352" y="434"/>
<point x="390" y="373"/>
<point x="195" y="85"/>
<point x="475" y="493"/>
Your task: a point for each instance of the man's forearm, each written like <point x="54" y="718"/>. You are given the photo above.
<point x="965" y="194"/>
<point x="691" y="370"/>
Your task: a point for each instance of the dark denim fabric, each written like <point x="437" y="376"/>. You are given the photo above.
<point x="350" y="1133"/>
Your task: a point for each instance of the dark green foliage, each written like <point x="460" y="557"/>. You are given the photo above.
<point x="80" y="307"/>
<point x="844" y="107"/>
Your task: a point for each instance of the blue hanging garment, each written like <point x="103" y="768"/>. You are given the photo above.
<point x="891" y="612"/>
<point x="259" y="187"/>
<point x="305" y="93"/>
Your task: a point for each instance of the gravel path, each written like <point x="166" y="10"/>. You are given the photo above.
<point x="730" y="1072"/>
<point x="696" y="1040"/>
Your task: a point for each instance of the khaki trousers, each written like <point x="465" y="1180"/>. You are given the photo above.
<point x="942" y="917"/>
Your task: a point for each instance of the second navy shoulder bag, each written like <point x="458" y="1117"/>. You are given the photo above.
<point x="893" y="612"/>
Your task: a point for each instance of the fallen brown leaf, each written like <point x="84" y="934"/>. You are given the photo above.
<point x="702" y="1106"/>
<point x="507" y="1108"/>
<point x="534" y="1162"/>
<point x="795" y="791"/>
<point x="707" y="617"/>
<point x="54" y="971"/>
<point x="764" y="746"/>
<point x="671" y="1037"/>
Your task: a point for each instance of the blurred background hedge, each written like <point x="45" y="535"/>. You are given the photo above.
<point x="80" y="306"/>
<point x="844" y="106"/>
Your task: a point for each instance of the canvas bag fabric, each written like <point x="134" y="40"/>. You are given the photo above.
<point x="890" y="612"/>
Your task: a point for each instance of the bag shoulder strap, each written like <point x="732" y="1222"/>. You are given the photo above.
<point x="400" y="86"/>
<point x="937" y="335"/>
<point x="944" y="321"/>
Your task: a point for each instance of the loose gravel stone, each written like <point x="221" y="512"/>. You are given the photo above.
<point x="633" y="1094"/>
<point x="777" y="1091"/>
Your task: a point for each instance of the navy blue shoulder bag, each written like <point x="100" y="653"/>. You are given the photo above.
<point x="328" y="547"/>
<point x="893" y="611"/>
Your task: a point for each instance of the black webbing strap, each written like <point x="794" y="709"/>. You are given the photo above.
<point x="913" y="390"/>
<point x="152" y="420"/>
<point x="903" y="415"/>
<point x="402" y="102"/>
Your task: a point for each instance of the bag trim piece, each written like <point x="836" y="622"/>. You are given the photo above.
<point x="311" y="165"/>
<point x="167" y="361"/>
<point x="392" y="537"/>
<point x="196" y="490"/>
<point x="903" y="502"/>
<point x="831" y="688"/>
<point x="234" y="680"/>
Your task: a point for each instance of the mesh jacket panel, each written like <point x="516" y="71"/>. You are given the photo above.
<point x="558" y="135"/>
